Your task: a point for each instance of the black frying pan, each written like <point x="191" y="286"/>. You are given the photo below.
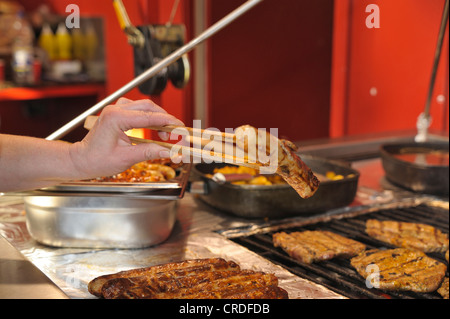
<point x="418" y="176"/>
<point x="279" y="201"/>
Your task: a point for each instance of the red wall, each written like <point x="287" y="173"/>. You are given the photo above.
<point x="271" y="67"/>
<point x="396" y="59"/>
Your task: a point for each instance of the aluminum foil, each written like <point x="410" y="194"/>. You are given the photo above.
<point x="193" y="236"/>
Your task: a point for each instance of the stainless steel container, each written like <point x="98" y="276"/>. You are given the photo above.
<point x="105" y="215"/>
<point x="99" y="221"/>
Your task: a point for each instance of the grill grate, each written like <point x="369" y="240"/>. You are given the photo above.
<point x="337" y="274"/>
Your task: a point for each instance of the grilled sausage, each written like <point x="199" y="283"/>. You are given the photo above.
<point x="184" y="267"/>
<point x="217" y="289"/>
<point x="162" y="283"/>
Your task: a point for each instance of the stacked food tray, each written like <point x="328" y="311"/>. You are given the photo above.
<point x="104" y="214"/>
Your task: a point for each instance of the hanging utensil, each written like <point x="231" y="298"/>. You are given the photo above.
<point x="424" y="120"/>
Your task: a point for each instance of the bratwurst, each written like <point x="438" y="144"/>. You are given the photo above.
<point x="212" y="278"/>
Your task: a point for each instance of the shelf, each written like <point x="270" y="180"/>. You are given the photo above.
<point x="51" y="91"/>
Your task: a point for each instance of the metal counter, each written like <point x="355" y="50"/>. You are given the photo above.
<point x="19" y="278"/>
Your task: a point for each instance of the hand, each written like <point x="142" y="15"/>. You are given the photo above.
<point x="107" y="150"/>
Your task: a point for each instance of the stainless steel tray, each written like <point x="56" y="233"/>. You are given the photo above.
<point x="98" y="221"/>
<point x="176" y="184"/>
<point x="103" y="215"/>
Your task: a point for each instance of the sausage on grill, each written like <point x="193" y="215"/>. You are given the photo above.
<point x="192" y="279"/>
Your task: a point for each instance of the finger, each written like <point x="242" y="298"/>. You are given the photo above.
<point x="143" y="105"/>
<point x="164" y="135"/>
<point x="129" y="119"/>
<point x="123" y="100"/>
<point x="143" y="152"/>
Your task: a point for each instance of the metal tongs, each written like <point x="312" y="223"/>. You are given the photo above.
<point x="155" y="69"/>
<point x="424" y="119"/>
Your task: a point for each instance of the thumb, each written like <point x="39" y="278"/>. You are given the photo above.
<point x="148" y="151"/>
<point x="123" y="100"/>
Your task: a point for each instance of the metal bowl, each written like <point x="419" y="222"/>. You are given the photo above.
<point x="99" y="221"/>
<point x="418" y="177"/>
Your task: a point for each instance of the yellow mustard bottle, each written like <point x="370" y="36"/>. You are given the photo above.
<point x="78" y="44"/>
<point x="64" y="43"/>
<point x="47" y="41"/>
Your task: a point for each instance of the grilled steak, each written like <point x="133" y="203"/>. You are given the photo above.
<point x="443" y="289"/>
<point x="206" y="279"/>
<point x="311" y="246"/>
<point x="177" y="269"/>
<point x="400" y="269"/>
<point x="408" y="235"/>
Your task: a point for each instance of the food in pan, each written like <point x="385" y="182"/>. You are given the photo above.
<point x="144" y="172"/>
<point x="313" y="246"/>
<point x="245" y="172"/>
<point x="289" y="165"/>
<point x="446" y="255"/>
<point x="409" y="235"/>
<point x="400" y="269"/>
<point x="332" y="176"/>
<point x="212" y="278"/>
<point x="242" y="175"/>
<point x="443" y="289"/>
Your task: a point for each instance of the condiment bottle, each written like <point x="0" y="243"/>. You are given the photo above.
<point x="78" y="44"/>
<point x="47" y="42"/>
<point x="22" y="51"/>
<point x="64" y="43"/>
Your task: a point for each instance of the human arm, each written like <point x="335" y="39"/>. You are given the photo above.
<point x="29" y="163"/>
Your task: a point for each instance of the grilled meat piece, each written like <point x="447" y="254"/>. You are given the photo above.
<point x="400" y="269"/>
<point x="161" y="283"/>
<point x="199" y="279"/>
<point x="184" y="268"/>
<point x="312" y="246"/>
<point x="288" y="164"/>
<point x="443" y="289"/>
<point x="294" y="171"/>
<point x="446" y="255"/>
<point x="220" y="288"/>
<point x="408" y="235"/>
<point x="267" y="292"/>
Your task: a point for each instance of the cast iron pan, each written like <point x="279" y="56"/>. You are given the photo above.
<point x="419" y="177"/>
<point x="279" y="201"/>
